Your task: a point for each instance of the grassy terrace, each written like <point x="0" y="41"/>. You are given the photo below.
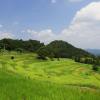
<point x="26" y="78"/>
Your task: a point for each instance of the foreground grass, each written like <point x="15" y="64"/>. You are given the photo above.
<point x="15" y="87"/>
<point x="27" y="78"/>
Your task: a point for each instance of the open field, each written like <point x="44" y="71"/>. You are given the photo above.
<point x="26" y="78"/>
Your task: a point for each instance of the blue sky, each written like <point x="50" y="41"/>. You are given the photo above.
<point x="38" y="14"/>
<point x="26" y="18"/>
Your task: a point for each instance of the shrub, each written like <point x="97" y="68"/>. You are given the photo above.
<point x="95" y="67"/>
<point x="12" y="57"/>
<point x="77" y="59"/>
<point x="41" y="57"/>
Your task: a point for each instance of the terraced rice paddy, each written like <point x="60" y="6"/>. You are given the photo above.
<point x="26" y="78"/>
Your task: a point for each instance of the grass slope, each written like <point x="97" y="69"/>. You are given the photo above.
<point x="26" y="78"/>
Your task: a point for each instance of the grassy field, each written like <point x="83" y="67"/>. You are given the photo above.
<point x="26" y="78"/>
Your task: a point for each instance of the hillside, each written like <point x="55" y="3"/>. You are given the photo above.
<point x="20" y="45"/>
<point x="62" y="49"/>
<point x="65" y="49"/>
<point x="26" y="78"/>
<point x="58" y="47"/>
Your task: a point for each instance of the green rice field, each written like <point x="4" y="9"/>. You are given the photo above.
<point x="27" y="78"/>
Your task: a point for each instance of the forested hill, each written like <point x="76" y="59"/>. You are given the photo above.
<point x="62" y="49"/>
<point x="67" y="50"/>
<point x="57" y="48"/>
<point x="15" y="45"/>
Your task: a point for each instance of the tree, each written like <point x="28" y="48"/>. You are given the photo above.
<point x="12" y="57"/>
<point x="77" y="59"/>
<point x="51" y="56"/>
<point x="0" y="49"/>
<point x="97" y="61"/>
<point x="19" y="50"/>
<point x="42" y="53"/>
<point x="95" y="67"/>
<point x="96" y="64"/>
<point x="88" y="60"/>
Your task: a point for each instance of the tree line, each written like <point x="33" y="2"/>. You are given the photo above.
<point x="20" y="45"/>
<point x="94" y="61"/>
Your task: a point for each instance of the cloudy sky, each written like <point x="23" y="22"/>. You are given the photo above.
<point x="75" y="21"/>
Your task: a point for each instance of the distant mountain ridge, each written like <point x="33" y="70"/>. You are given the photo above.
<point x="94" y="51"/>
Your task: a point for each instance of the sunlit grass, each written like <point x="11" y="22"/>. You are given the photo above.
<point x="26" y="78"/>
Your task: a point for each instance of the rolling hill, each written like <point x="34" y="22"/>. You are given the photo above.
<point x="57" y="47"/>
<point x="62" y="49"/>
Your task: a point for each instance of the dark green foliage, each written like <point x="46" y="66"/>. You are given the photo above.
<point x="12" y="57"/>
<point x="95" y="67"/>
<point x="51" y="56"/>
<point x="94" y="61"/>
<point x="61" y="49"/>
<point x="20" y="50"/>
<point x="97" y="61"/>
<point x="88" y="61"/>
<point x="41" y="57"/>
<point x="77" y="59"/>
<point x="42" y="53"/>
<point x="20" y="45"/>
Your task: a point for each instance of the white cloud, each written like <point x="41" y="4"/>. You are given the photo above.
<point x="45" y="36"/>
<point x="84" y="30"/>
<point x="6" y="35"/>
